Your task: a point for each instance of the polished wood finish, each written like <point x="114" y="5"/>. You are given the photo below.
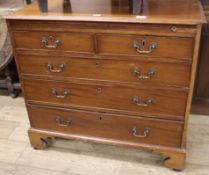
<point x="107" y="28"/>
<point x="38" y="141"/>
<point x="192" y="81"/>
<point x="72" y="42"/>
<point x="94" y="80"/>
<point x="122" y="44"/>
<point x="155" y="12"/>
<point x="174" y="159"/>
<point x="107" y="44"/>
<point x="107" y="69"/>
<point x="117" y="127"/>
<point x="166" y="103"/>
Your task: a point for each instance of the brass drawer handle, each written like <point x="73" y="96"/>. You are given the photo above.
<point x="173" y="28"/>
<point x="59" y="122"/>
<point x="152" y="47"/>
<point x="150" y="73"/>
<point x="146" y="131"/>
<point x="51" y="68"/>
<point x="136" y="101"/>
<point x="50" y="42"/>
<point x="55" y="93"/>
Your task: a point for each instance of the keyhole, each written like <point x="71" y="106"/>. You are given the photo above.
<point x="100" y="118"/>
<point x="97" y="63"/>
<point x="143" y="42"/>
<point x="99" y="89"/>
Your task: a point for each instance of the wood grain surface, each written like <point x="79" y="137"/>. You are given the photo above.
<point x="166" y="36"/>
<point x="117" y="127"/>
<point x="156" y="11"/>
<point x="107" y="69"/>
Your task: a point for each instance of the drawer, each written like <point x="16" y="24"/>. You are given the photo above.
<point x="169" y="47"/>
<point x="54" y="41"/>
<point x="153" y="102"/>
<point x="129" y="71"/>
<point x="107" y="126"/>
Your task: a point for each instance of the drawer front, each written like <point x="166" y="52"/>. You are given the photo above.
<point x="165" y="103"/>
<point x="169" y="47"/>
<point x="54" y="41"/>
<point x="89" y="124"/>
<point x="145" y="72"/>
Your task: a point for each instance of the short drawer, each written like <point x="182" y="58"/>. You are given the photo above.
<point x="55" y="41"/>
<point x="154" y="102"/>
<point x="169" y="47"/>
<point x="107" y="126"/>
<point x="130" y="71"/>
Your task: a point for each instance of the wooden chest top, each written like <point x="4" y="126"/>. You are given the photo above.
<point x="155" y="11"/>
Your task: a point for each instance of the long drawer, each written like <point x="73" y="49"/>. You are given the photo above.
<point x="130" y="71"/>
<point x="154" y="102"/>
<point x="107" y="126"/>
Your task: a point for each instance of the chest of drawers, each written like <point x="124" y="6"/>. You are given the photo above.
<point x="115" y="79"/>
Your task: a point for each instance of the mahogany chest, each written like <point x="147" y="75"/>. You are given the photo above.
<point x="96" y="72"/>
